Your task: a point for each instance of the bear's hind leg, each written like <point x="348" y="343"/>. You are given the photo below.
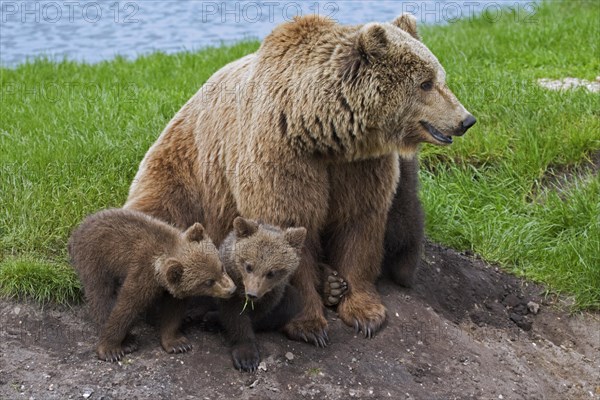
<point x="405" y="227"/>
<point x="101" y="296"/>
<point x="172" y="312"/>
<point x="131" y="302"/>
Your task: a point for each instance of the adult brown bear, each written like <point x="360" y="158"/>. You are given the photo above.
<point x="307" y="132"/>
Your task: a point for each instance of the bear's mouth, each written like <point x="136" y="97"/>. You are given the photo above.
<point x="437" y="135"/>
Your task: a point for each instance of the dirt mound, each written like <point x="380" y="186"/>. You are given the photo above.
<point x="464" y="331"/>
<point x="482" y="293"/>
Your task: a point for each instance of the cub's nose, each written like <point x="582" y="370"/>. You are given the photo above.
<point x="467" y="123"/>
<point x="232" y="289"/>
<point x="251" y="296"/>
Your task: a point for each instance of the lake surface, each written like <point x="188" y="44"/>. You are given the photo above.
<point x="92" y="31"/>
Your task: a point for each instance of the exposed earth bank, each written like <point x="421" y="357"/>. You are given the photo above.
<point x="466" y="330"/>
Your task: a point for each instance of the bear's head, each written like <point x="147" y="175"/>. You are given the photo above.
<point x="195" y="269"/>
<point x="265" y="256"/>
<point x="400" y="86"/>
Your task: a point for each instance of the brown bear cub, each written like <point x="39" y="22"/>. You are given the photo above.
<point x="128" y="261"/>
<point x="260" y="259"/>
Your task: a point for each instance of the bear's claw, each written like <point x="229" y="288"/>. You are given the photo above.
<point x="311" y="331"/>
<point x="177" y="345"/>
<point x="245" y="357"/>
<point x="364" y="312"/>
<point x="114" y="353"/>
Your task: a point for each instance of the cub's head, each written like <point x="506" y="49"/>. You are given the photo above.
<point x="392" y="76"/>
<point x="195" y="269"/>
<point x="265" y="256"/>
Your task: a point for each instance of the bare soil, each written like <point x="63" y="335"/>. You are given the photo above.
<point x="463" y="331"/>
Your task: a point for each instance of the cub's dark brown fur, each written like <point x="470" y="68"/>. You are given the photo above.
<point x="405" y="226"/>
<point x="127" y="261"/>
<point x="260" y="259"/>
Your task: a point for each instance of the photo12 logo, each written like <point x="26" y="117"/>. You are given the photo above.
<point x="271" y="11"/>
<point x="452" y="11"/>
<point x="59" y="91"/>
<point x="52" y="12"/>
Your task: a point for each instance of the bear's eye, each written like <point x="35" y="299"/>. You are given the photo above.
<point x="210" y="282"/>
<point x="248" y="267"/>
<point x="270" y="274"/>
<point x="427" y="86"/>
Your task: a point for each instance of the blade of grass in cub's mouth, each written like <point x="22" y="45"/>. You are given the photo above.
<point x="246" y="304"/>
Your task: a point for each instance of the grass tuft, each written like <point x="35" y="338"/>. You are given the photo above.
<point x="42" y="281"/>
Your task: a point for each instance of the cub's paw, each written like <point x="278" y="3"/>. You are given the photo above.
<point x="363" y="311"/>
<point x="176" y="345"/>
<point x="245" y="357"/>
<point x="311" y="330"/>
<point x="334" y="286"/>
<point x="111" y="353"/>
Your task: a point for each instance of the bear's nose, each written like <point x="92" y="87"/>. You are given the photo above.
<point x="467" y="123"/>
<point x="251" y="296"/>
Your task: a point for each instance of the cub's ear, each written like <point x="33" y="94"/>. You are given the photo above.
<point x="244" y="227"/>
<point x="195" y="233"/>
<point x="372" y="41"/>
<point x="408" y="23"/>
<point x="295" y="237"/>
<point x="173" y="271"/>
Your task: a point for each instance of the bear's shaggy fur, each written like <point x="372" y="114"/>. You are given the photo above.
<point x="127" y="261"/>
<point x="405" y="229"/>
<point x="260" y="259"/>
<point x="307" y="132"/>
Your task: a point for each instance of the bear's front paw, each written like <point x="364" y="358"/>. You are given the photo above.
<point x="334" y="286"/>
<point x="363" y="311"/>
<point x="176" y="345"/>
<point x="245" y="356"/>
<point x="311" y="330"/>
<point x="112" y="353"/>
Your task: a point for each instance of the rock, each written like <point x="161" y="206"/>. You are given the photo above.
<point x="87" y="393"/>
<point x="289" y="356"/>
<point x="533" y="307"/>
<point x="520" y="309"/>
<point x="570" y="83"/>
<point x="521" y="321"/>
<point x="262" y="366"/>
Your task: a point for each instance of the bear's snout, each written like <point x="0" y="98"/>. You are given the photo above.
<point x="465" y="125"/>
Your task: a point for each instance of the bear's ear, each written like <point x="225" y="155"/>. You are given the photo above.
<point x="195" y="233"/>
<point x="408" y="23"/>
<point x="244" y="227"/>
<point x="173" y="270"/>
<point x="372" y="41"/>
<point x="295" y="237"/>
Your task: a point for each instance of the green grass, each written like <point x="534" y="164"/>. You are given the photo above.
<point x="72" y="136"/>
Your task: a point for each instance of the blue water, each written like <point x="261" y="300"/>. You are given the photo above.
<point x="92" y="31"/>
